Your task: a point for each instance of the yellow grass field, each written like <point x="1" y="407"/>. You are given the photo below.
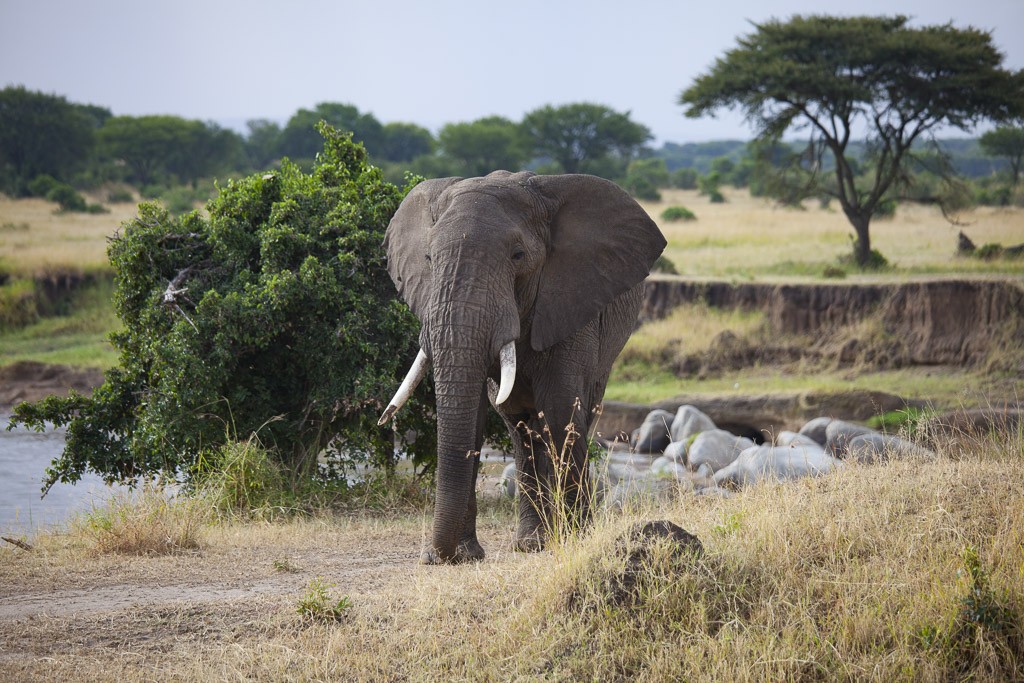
<point x="752" y="238"/>
<point x="36" y="239"/>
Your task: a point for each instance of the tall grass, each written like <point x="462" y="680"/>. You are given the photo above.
<point x="149" y="522"/>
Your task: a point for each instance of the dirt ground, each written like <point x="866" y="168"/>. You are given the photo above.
<point x="61" y="603"/>
<point x="30" y="381"/>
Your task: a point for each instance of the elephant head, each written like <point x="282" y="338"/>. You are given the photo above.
<point x="500" y="265"/>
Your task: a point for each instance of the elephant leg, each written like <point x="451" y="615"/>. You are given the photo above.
<point x="469" y="545"/>
<point x="530" y="501"/>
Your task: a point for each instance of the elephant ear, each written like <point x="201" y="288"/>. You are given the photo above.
<point x="602" y="244"/>
<point x="405" y="241"/>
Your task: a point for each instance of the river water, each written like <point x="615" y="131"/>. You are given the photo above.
<point x="24" y="456"/>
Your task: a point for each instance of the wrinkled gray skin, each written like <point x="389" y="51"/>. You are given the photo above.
<point x="554" y="263"/>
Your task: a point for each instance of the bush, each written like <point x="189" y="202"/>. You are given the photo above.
<point x="277" y="305"/>
<point x="989" y="251"/>
<point x="67" y="198"/>
<point x="833" y="273"/>
<point x="685" y="179"/>
<point x="664" y="265"/>
<point x="120" y="196"/>
<point x="886" y="209"/>
<point x="678" y="213"/>
<point x="716" y="197"/>
<point x="41" y="185"/>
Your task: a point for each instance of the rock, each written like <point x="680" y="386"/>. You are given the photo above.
<point x="653" y="435"/>
<point x="507" y="483"/>
<point x="777" y="463"/>
<point x="677" y="451"/>
<point x="815" y="429"/>
<point x="668" y="468"/>
<point x="879" y="448"/>
<point x="839" y="433"/>
<point x="715" y="448"/>
<point x="689" y="421"/>
<point x="641" y="490"/>
<point x="796" y="439"/>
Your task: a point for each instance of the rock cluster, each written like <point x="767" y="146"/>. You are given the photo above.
<point x="686" y="450"/>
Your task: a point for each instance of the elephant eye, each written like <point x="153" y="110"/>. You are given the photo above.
<point x="518" y="255"/>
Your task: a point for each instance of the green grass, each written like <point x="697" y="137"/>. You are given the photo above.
<point x="79" y="339"/>
<point x="955" y="387"/>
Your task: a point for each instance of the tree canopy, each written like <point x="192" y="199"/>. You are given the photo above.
<point x="835" y="78"/>
<point x="43" y="134"/>
<point x="1006" y="141"/>
<point x="488" y="144"/>
<point x="274" y="316"/>
<point x="578" y="135"/>
<point x="300" y="140"/>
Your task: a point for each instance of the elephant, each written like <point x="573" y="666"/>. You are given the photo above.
<point x="527" y="288"/>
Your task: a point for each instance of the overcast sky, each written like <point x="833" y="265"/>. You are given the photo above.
<point x="430" y="62"/>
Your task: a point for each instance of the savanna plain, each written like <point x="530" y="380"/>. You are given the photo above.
<point x="910" y="570"/>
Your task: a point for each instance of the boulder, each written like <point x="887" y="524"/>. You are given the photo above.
<point x="796" y="439"/>
<point x="715" y="448"/>
<point x="776" y="463"/>
<point x="677" y="451"/>
<point x="668" y="468"/>
<point x="689" y="421"/>
<point x="507" y="483"/>
<point x="878" y="448"/>
<point x="815" y="429"/>
<point x="653" y="435"/>
<point x="839" y="433"/>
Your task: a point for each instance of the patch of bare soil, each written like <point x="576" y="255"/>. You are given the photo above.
<point x="32" y="381"/>
<point x="61" y="602"/>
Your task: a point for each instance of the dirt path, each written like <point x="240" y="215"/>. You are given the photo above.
<point x="63" y="602"/>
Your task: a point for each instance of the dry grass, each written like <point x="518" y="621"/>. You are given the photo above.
<point x="149" y="522"/>
<point x="748" y="237"/>
<point x="909" y="571"/>
<point x="34" y="239"/>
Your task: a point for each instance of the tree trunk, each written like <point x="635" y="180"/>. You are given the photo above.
<point x="862" y="245"/>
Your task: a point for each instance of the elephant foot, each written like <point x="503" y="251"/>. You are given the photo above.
<point x="468" y="551"/>
<point x="532" y="542"/>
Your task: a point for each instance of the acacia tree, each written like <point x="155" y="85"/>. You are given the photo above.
<point x="577" y="135"/>
<point x="1006" y="141"/>
<point x="836" y="77"/>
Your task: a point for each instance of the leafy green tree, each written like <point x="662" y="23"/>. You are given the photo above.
<point x="645" y="176"/>
<point x="42" y="134"/>
<point x="155" y="146"/>
<point x="405" y="142"/>
<point x="263" y="142"/>
<point x="685" y="178"/>
<point x="581" y="134"/>
<point x="274" y="316"/>
<point x="300" y="140"/>
<point x="489" y="144"/>
<point x="1006" y="141"/>
<point x="834" y="76"/>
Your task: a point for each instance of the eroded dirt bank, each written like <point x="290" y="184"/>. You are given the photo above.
<point x="938" y="322"/>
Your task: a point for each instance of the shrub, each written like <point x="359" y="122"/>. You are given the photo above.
<point x="886" y="209"/>
<point x="678" y="213"/>
<point x="716" y="197"/>
<point x="664" y="265"/>
<point x="41" y="185"/>
<point x="278" y="304"/>
<point x="120" y="196"/>
<point x="989" y="251"/>
<point x="833" y="273"/>
<point x="317" y="604"/>
<point x="67" y="198"/>
<point x="685" y="179"/>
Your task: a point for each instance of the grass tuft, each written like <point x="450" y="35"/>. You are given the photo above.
<point x="150" y="522"/>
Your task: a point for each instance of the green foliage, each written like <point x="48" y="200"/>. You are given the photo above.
<point x="905" y="419"/>
<point x="154" y="148"/>
<point x="645" y="176"/>
<point x="784" y="76"/>
<point x="488" y="144"/>
<point x="317" y="604"/>
<point x="404" y="142"/>
<point x="42" y="184"/>
<point x="874" y="261"/>
<point x="579" y="135"/>
<point x="1006" y="141"/>
<point x="685" y="178"/>
<point x="678" y="213"/>
<point x="664" y="265"/>
<point x="43" y="134"/>
<point x="277" y="305"/>
<point x="67" y="198"/>
<point x="299" y="138"/>
<point x="833" y="273"/>
<point x="989" y="251"/>
<point x="242" y="477"/>
<point x="709" y="185"/>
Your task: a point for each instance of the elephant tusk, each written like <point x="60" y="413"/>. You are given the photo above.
<point x="415" y="375"/>
<point x="508" y="372"/>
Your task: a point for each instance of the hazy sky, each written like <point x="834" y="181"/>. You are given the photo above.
<point x="429" y="62"/>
